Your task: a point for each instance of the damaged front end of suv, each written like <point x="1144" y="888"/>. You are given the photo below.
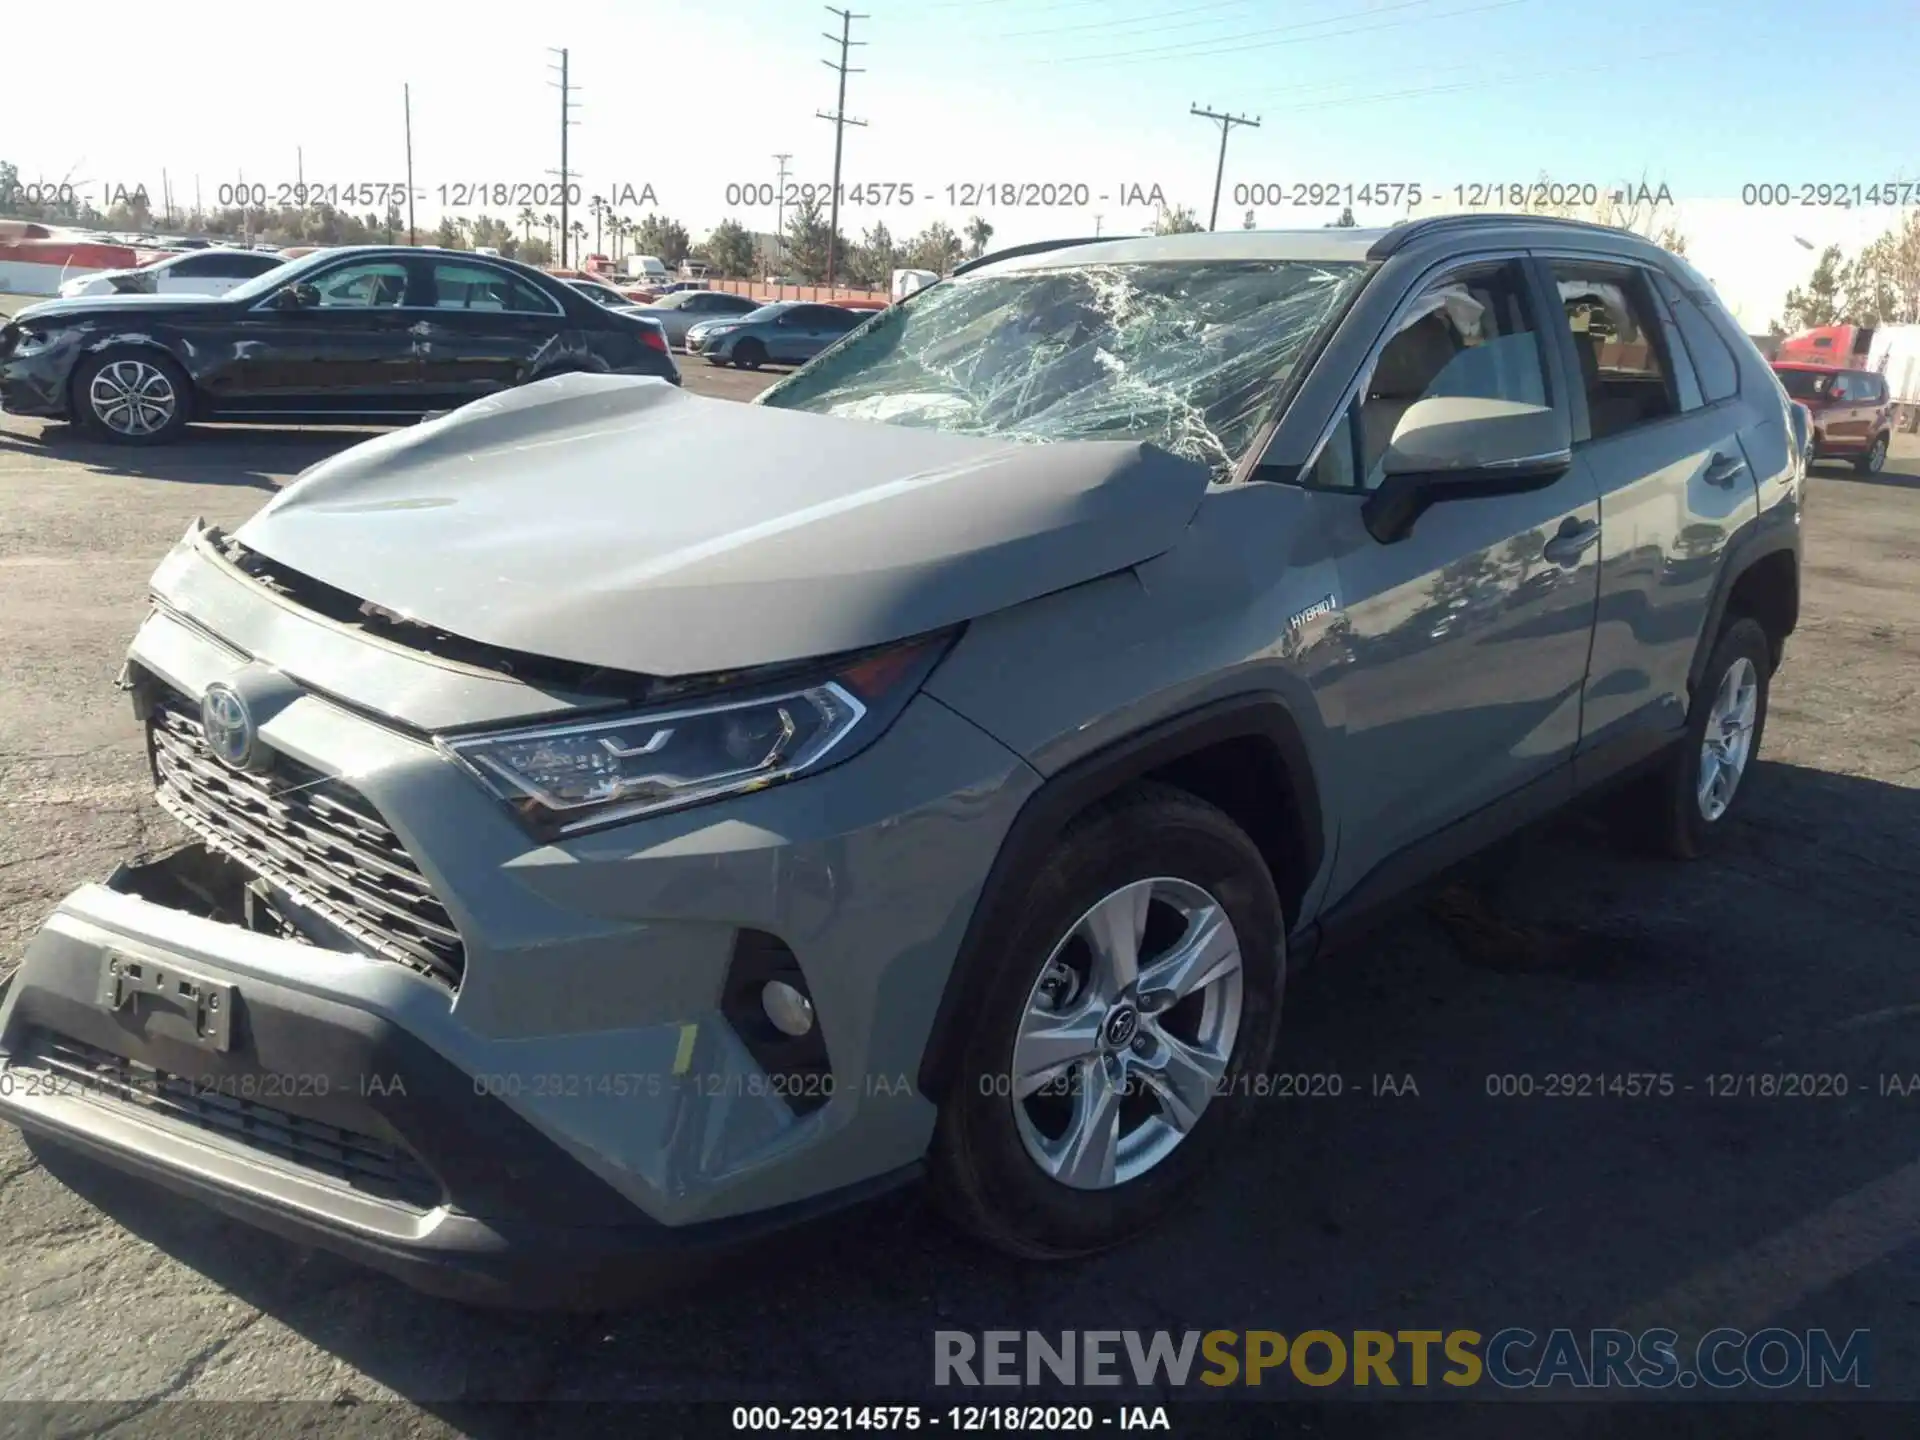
<point x="577" y="853"/>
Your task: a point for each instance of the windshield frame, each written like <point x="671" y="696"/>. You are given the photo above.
<point x="1274" y="401"/>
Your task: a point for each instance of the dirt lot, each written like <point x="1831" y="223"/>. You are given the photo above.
<point x="1791" y="951"/>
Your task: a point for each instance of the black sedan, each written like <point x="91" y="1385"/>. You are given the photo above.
<point x="363" y="335"/>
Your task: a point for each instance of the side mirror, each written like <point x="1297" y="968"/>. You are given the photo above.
<point x="1463" y="448"/>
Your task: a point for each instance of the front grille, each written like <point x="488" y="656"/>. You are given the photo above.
<point x="310" y="835"/>
<point x="366" y="1164"/>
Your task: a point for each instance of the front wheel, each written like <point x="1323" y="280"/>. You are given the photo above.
<point x="1875" y="460"/>
<point x="1124" y="1030"/>
<point x="132" y="396"/>
<point x="749" y="354"/>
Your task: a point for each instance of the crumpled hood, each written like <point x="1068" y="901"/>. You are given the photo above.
<point x="622" y="522"/>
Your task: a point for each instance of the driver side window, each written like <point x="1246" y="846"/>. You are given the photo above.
<point x="1469" y="334"/>
<point x="368" y="285"/>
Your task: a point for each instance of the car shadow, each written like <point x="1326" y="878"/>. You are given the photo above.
<point x="1386" y="1181"/>
<point x="256" y="456"/>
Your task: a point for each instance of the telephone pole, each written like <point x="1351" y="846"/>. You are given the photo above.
<point x="780" y="217"/>
<point x="567" y="122"/>
<point x="406" y="92"/>
<point x="1227" y="122"/>
<point x="840" y="123"/>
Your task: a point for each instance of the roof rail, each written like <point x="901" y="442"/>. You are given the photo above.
<point x="1038" y="247"/>
<point x="1405" y="233"/>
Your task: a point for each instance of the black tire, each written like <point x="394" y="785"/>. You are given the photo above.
<point x="1666" y="808"/>
<point x="982" y="1174"/>
<point x="1875" y="460"/>
<point x="749" y="354"/>
<point x="92" y="419"/>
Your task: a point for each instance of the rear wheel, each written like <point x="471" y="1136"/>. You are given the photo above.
<point x="749" y="354"/>
<point x="132" y="396"/>
<point x="1875" y="460"/>
<point x="1680" y="808"/>
<point x="1123" y="1030"/>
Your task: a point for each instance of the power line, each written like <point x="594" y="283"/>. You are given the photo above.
<point x="1134" y="24"/>
<point x="1238" y="44"/>
<point x="1226" y="122"/>
<point x="567" y="122"/>
<point x="840" y="123"/>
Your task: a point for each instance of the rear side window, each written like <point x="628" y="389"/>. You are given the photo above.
<point x="1713" y="359"/>
<point x="1619" y="346"/>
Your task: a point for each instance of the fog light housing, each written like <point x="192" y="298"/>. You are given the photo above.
<point x="789" y="1010"/>
<point x="766" y="1001"/>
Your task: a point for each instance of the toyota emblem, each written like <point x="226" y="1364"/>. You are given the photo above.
<point x="228" y="725"/>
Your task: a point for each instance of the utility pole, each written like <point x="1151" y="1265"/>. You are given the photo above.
<point x="780" y="217"/>
<point x="840" y="123"/>
<point x="1096" y="224"/>
<point x="407" y="92"/>
<point x="1227" y="122"/>
<point x="567" y="122"/>
<point x="166" y="196"/>
<point x="300" y="173"/>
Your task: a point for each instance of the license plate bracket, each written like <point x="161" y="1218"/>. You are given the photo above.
<point x="178" y="1002"/>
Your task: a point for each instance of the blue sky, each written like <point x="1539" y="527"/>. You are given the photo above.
<point x="691" y="95"/>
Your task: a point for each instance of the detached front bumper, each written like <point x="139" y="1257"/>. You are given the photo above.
<point x="311" y="1117"/>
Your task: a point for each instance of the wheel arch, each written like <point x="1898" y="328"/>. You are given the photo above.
<point x="1761" y="579"/>
<point x="1246" y="755"/>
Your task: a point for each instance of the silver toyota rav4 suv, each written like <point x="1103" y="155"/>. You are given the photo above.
<point x="623" y="822"/>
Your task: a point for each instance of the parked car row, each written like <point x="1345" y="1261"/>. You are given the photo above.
<point x="786" y="332"/>
<point x="357" y="335"/>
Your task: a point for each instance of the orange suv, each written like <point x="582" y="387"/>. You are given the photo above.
<point x="1852" y="412"/>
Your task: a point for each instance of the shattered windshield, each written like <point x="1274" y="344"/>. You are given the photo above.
<point x="1189" y="356"/>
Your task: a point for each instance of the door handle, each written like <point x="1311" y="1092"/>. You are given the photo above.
<point x="422" y="328"/>
<point x="1574" y="540"/>
<point x="1723" y="470"/>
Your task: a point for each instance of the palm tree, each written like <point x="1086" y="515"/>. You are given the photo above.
<point x="579" y="238"/>
<point x="598" y="205"/>
<point x="527" y="220"/>
<point x="549" y="222"/>
<point x="979" y="232"/>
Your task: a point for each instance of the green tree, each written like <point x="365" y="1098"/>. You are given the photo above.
<point x="871" y="262"/>
<point x="657" y="235"/>
<point x="1179" y="220"/>
<point x="978" y="233"/>
<point x="935" y="248"/>
<point x="729" y="250"/>
<point x="807" y="240"/>
<point x="1820" y="303"/>
<point x="1342" y="221"/>
<point x="1882" y="285"/>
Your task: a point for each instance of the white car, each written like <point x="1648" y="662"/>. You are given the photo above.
<point x="197" y="272"/>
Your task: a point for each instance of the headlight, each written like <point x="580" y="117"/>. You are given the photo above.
<point x="713" y="332"/>
<point x="580" y="775"/>
<point x="30" y="341"/>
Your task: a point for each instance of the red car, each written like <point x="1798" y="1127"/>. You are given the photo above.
<point x="1852" y="412"/>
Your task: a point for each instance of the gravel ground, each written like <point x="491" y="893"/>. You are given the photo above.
<point x="1791" y="950"/>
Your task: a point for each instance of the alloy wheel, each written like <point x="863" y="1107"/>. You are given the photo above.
<point x="133" y="398"/>
<point x="1728" y="742"/>
<point x="1127" y="1033"/>
<point x="1877" y="456"/>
